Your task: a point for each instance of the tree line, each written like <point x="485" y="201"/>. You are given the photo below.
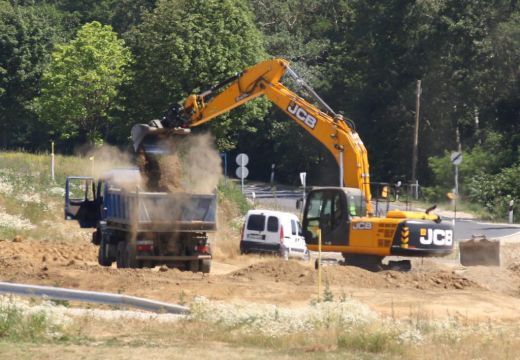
<point x="85" y="72"/>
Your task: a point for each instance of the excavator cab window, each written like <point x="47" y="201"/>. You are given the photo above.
<point x="356" y="205"/>
<point x="325" y="210"/>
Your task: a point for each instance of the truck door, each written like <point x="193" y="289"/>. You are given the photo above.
<point x="80" y="201"/>
<point x="326" y="210"/>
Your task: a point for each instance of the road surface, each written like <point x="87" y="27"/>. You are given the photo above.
<point x="284" y="198"/>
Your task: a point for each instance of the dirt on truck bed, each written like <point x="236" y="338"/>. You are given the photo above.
<point x="437" y="287"/>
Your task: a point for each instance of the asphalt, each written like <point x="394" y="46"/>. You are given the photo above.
<point x="282" y="197"/>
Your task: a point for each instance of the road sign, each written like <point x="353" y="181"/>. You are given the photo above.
<point x="242" y="172"/>
<point x="456" y="158"/>
<point x="242" y="159"/>
<point x="303" y="177"/>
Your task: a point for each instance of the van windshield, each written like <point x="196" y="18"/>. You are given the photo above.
<point x="256" y="222"/>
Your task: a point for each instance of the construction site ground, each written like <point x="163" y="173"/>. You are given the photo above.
<point x="438" y="288"/>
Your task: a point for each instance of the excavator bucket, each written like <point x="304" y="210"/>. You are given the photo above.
<point x="152" y="143"/>
<point x="479" y="251"/>
<point x="148" y="138"/>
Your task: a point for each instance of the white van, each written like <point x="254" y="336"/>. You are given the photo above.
<point x="268" y="231"/>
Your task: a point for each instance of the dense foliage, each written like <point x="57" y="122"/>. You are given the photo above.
<point x="364" y="58"/>
<point x="80" y="85"/>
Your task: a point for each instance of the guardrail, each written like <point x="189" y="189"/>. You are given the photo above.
<point x="91" y="296"/>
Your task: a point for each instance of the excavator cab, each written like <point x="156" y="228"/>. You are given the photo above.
<point x="331" y="209"/>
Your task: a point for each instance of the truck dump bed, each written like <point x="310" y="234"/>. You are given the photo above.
<point x="160" y="211"/>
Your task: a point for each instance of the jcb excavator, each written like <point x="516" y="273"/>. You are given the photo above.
<point x="344" y="214"/>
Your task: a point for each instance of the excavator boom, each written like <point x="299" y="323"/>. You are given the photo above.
<point x="332" y="130"/>
<point x="343" y="215"/>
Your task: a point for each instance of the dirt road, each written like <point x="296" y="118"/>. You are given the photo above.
<point x="434" y="288"/>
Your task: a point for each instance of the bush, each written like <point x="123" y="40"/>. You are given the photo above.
<point x="17" y="326"/>
<point x="228" y="190"/>
<point x="494" y="192"/>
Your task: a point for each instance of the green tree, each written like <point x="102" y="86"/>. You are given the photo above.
<point x="81" y="85"/>
<point x="27" y="34"/>
<point x="185" y="46"/>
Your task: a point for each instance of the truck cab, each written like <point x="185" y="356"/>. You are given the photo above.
<point x="82" y="201"/>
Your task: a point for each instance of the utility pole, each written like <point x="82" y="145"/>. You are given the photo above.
<point x="416" y="132"/>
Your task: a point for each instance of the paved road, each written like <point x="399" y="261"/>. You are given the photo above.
<point x="284" y="198"/>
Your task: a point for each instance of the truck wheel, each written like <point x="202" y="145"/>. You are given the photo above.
<point x="121" y="255"/>
<point x="130" y="260"/>
<point x="103" y="258"/>
<point x="205" y="266"/>
<point x="97" y="237"/>
<point x="194" y="266"/>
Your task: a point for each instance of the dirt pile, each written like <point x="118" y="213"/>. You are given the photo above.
<point x="276" y="270"/>
<point x="349" y="276"/>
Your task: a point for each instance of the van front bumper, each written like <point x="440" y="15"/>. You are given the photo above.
<point x="248" y="246"/>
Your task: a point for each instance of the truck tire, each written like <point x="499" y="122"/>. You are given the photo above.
<point x="103" y="258"/>
<point x="97" y="237"/>
<point x="130" y="256"/>
<point x="205" y="266"/>
<point x="194" y="266"/>
<point x="121" y="255"/>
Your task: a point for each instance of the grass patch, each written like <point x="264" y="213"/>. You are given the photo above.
<point x="369" y="340"/>
<point x="17" y="326"/>
<point x="230" y="191"/>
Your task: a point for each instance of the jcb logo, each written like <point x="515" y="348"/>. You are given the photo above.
<point x="437" y="237"/>
<point x="362" y="226"/>
<point x="302" y="115"/>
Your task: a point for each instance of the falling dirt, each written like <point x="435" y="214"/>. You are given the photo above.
<point x="188" y="164"/>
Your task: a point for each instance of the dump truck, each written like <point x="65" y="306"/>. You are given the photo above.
<point x="136" y="228"/>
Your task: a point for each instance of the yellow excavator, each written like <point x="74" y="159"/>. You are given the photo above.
<point x="344" y="214"/>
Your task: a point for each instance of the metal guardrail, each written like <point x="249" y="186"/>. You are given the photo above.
<point x="91" y="296"/>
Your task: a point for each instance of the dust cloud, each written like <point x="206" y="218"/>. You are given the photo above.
<point x="193" y="165"/>
<point x="106" y="158"/>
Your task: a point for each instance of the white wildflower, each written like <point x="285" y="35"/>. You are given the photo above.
<point x="57" y="191"/>
<point x="33" y="198"/>
<point x="272" y="320"/>
<point x="5" y="186"/>
<point x="14" y="221"/>
<point x="411" y="336"/>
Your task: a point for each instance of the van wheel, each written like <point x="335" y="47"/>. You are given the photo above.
<point x="284" y="252"/>
<point x="306" y="255"/>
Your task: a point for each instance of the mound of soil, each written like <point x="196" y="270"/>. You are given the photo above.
<point x="303" y="274"/>
<point x="276" y="270"/>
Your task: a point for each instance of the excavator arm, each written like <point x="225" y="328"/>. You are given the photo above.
<point x="332" y="130"/>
